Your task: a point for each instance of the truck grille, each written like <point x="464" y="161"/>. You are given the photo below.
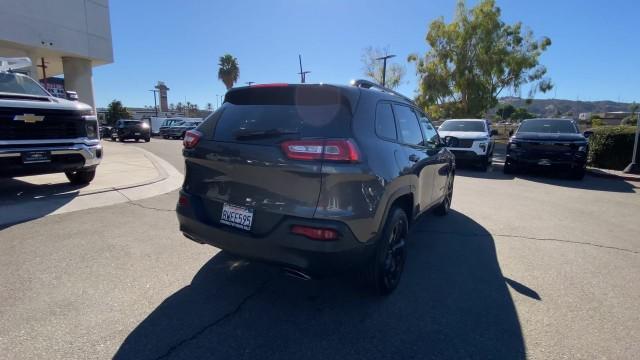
<point x="57" y="124"/>
<point x="465" y="143"/>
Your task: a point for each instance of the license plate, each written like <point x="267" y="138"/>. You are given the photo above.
<point x="136" y="134"/>
<point x="36" y="157"/>
<point x="237" y="216"/>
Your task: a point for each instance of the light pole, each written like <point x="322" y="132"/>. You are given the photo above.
<point x="384" y="67"/>
<point x="155" y="102"/>
<point x="303" y="74"/>
<point x="634" y="167"/>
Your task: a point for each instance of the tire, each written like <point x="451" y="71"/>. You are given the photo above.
<point x="147" y="139"/>
<point x="508" y="168"/>
<point x="577" y="174"/>
<point x="81" y="177"/>
<point x="483" y="164"/>
<point x="137" y="139"/>
<point x="120" y="139"/>
<point x="445" y="205"/>
<point x="165" y="137"/>
<point x="384" y="270"/>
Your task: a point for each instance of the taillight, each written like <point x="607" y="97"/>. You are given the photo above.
<point x="315" y="233"/>
<point x="191" y="139"/>
<point x="332" y="150"/>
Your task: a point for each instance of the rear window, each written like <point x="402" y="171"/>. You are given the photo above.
<point x="548" y="126"/>
<point x="270" y="115"/>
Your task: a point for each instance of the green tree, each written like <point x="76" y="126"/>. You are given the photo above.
<point x="373" y="68"/>
<point x="229" y="70"/>
<point x="115" y="112"/>
<point x="522" y="114"/>
<point x="474" y="58"/>
<point x="505" y="111"/>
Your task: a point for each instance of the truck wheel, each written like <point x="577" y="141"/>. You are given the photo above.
<point x="445" y="205"/>
<point x="120" y="139"/>
<point x="137" y="139"/>
<point x="483" y="163"/>
<point x="80" y="177"/>
<point x="385" y="267"/>
<point x="147" y="139"/>
<point x="509" y="168"/>
<point x="577" y="174"/>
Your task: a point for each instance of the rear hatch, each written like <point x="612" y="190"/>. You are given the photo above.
<point x="240" y="159"/>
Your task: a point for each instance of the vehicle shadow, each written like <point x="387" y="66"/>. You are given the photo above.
<point x="23" y="201"/>
<point x="453" y="302"/>
<point x="555" y="178"/>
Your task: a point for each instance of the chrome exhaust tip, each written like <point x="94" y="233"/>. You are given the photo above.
<point x="297" y="274"/>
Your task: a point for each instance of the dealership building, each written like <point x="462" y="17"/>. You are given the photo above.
<point x="61" y="37"/>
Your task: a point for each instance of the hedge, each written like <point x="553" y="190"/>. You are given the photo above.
<point x="611" y="147"/>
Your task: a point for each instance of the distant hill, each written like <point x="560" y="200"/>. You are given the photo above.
<point x="550" y="107"/>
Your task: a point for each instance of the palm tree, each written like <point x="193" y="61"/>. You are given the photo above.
<point x="229" y="70"/>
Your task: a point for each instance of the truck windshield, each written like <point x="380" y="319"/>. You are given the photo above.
<point x="462" y="125"/>
<point x="20" y="84"/>
<point x="548" y="126"/>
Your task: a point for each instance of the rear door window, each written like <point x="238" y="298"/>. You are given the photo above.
<point x="408" y="126"/>
<point x="385" y="124"/>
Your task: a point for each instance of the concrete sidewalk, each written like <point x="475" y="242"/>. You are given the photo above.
<point x="126" y="173"/>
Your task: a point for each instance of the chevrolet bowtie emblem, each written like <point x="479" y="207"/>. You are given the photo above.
<point x="28" y="118"/>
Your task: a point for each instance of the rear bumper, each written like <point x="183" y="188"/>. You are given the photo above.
<point x="131" y="134"/>
<point x="279" y="246"/>
<point x="63" y="158"/>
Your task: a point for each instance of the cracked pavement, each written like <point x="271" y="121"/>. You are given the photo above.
<point x="526" y="267"/>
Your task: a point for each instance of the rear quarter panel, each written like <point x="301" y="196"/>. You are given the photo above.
<point x="359" y="194"/>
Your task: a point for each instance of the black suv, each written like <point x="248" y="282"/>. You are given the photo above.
<point x="131" y="129"/>
<point x="550" y="144"/>
<point x="314" y="178"/>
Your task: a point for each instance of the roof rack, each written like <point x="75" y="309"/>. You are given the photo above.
<point x="366" y="84"/>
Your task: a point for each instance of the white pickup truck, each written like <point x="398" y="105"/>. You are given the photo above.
<point x="41" y="134"/>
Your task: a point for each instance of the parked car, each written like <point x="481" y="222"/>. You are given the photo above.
<point x="168" y="123"/>
<point x="41" y="134"/>
<point x="131" y="129"/>
<point x="178" y="131"/>
<point x="315" y="178"/>
<point x="105" y="131"/>
<point x="548" y="143"/>
<point x="472" y="140"/>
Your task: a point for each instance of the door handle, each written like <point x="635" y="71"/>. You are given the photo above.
<point x="414" y="158"/>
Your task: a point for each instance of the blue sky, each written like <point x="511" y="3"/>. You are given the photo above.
<point x="594" y="55"/>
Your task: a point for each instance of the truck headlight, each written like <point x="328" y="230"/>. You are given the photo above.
<point x="583" y="148"/>
<point x="483" y="146"/>
<point x="91" y="126"/>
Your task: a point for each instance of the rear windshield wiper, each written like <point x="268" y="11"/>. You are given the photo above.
<point x="254" y="134"/>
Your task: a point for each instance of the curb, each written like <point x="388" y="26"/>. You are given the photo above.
<point x="604" y="174"/>
<point x="162" y="175"/>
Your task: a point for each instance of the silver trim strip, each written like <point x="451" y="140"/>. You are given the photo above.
<point x="87" y="152"/>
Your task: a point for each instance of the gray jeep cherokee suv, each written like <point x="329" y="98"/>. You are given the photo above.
<point x="314" y="178"/>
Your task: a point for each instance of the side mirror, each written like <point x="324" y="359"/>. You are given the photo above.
<point x="494" y="132"/>
<point x="587" y="133"/>
<point x="72" y="95"/>
<point x="510" y="132"/>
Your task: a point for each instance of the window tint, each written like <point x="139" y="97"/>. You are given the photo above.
<point x="385" y="125"/>
<point x="548" y="126"/>
<point x="271" y="123"/>
<point x="408" y="125"/>
<point x="430" y="134"/>
<point x="462" y="125"/>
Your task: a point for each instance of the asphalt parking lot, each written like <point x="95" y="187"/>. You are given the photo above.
<point x="524" y="267"/>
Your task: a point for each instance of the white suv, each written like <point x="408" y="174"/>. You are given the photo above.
<point x="470" y="140"/>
